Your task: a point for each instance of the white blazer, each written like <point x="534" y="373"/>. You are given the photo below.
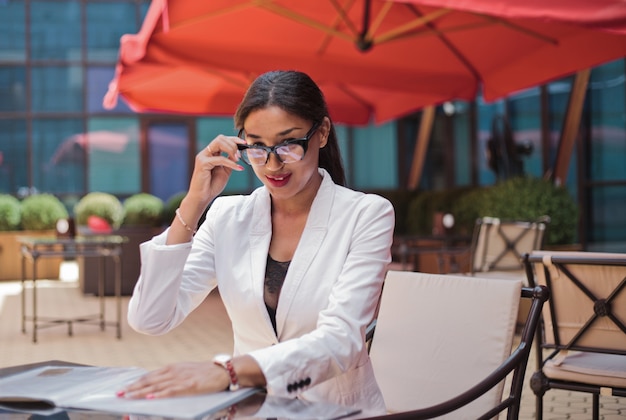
<point x="328" y="298"/>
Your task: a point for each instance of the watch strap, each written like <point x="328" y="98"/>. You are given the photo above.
<point x="226" y="363"/>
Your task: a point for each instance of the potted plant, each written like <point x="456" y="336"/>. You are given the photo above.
<point x="35" y="215"/>
<point x="10" y="215"/>
<point x="97" y="213"/>
<point x="42" y="211"/>
<point x="529" y="198"/>
<point x="104" y="206"/>
<point x="170" y="206"/>
<point x="143" y="209"/>
<point x="142" y="220"/>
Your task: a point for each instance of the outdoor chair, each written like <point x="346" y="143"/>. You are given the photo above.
<point x="441" y="345"/>
<point x="581" y="345"/>
<point x="498" y="249"/>
<point x="499" y="246"/>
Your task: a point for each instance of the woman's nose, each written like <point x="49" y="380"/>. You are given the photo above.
<point x="274" y="162"/>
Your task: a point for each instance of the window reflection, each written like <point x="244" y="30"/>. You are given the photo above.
<point x="54" y="173"/>
<point x="57" y="89"/>
<point x="55" y="30"/>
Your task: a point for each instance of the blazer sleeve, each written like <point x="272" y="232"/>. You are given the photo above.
<point x="337" y="344"/>
<point x="173" y="281"/>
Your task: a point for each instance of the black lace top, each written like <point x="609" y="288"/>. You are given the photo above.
<point x="275" y="272"/>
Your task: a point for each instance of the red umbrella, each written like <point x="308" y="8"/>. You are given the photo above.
<point x="374" y="59"/>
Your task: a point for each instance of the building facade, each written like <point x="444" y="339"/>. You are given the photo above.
<point x="58" y="56"/>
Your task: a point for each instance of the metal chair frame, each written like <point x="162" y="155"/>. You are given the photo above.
<point x="516" y="364"/>
<point x="602" y="307"/>
<point x="483" y="228"/>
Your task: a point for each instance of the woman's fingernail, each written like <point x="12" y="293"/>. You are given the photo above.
<point x="239" y="167"/>
<point x="150" y="397"/>
<point x="120" y="393"/>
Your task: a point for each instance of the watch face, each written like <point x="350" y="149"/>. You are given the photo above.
<point x="63" y="226"/>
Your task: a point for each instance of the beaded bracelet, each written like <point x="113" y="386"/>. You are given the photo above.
<point x="182" y="222"/>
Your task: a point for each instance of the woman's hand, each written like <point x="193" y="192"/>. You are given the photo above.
<point x="212" y="168"/>
<point x="187" y="378"/>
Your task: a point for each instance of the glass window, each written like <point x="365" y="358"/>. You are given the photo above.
<point x="13" y="156"/>
<point x="98" y="78"/>
<point x="56" y="31"/>
<point x="344" y="139"/>
<point x="375" y="156"/>
<point x="525" y="119"/>
<point x="486" y="112"/>
<point x="168" y="157"/>
<point x="57" y="156"/>
<point x="12" y="31"/>
<point x="114" y="155"/>
<point x="12" y="88"/>
<point x="608" y="131"/>
<point x="558" y="94"/>
<point x="608" y="217"/>
<point x="206" y="130"/>
<point x="57" y="89"/>
<point x="106" y="23"/>
<point x="435" y="170"/>
<point x="462" y="141"/>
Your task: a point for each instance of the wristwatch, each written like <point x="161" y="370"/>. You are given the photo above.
<point x="225" y="361"/>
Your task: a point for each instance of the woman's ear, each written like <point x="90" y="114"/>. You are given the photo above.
<point x="324" y="131"/>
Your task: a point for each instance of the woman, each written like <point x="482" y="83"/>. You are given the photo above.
<point x="299" y="263"/>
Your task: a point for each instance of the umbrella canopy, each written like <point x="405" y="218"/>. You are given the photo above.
<point x="374" y="59"/>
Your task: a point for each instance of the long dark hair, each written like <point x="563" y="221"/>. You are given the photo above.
<point x="296" y="93"/>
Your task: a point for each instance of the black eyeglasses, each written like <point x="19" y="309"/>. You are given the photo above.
<point x="289" y="151"/>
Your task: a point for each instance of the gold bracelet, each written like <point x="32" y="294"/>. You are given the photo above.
<point x="182" y="222"/>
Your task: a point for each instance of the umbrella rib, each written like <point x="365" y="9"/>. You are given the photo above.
<point x="228" y="78"/>
<point x="341" y="17"/>
<point x="281" y="11"/>
<point x="401" y="30"/>
<point x="519" y="28"/>
<point x="379" y="18"/>
<point x="357" y="98"/>
<point x="432" y="28"/>
<point x="202" y="17"/>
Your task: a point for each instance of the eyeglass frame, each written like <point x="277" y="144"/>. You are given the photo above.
<point x="302" y="142"/>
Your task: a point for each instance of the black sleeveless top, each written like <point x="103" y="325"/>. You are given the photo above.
<point x="275" y="272"/>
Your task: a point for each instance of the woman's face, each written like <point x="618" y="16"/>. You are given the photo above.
<point x="271" y="126"/>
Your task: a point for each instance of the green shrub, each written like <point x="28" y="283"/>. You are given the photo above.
<point x="41" y="212"/>
<point x="143" y="210"/>
<point x="104" y="205"/>
<point x="423" y="207"/>
<point x="467" y="209"/>
<point x="400" y="199"/>
<point x="528" y="198"/>
<point x="10" y="216"/>
<point x="171" y="205"/>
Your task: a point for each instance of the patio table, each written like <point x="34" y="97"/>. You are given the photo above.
<point x="101" y="247"/>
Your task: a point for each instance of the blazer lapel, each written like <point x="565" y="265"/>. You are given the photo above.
<point x="260" y="237"/>
<point x="308" y="247"/>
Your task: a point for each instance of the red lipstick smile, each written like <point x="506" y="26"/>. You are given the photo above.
<point x="278" y="180"/>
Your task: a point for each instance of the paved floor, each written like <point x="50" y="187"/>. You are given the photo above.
<point x="205" y="332"/>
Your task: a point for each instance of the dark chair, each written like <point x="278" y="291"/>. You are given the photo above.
<point x="581" y="345"/>
<point x="442" y="344"/>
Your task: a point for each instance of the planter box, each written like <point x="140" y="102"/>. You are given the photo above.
<point x="11" y="257"/>
<point x="130" y="262"/>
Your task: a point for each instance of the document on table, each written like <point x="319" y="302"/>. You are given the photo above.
<point x="94" y="388"/>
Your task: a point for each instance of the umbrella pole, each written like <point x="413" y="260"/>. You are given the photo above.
<point x="421" y="146"/>
<point x="571" y="126"/>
